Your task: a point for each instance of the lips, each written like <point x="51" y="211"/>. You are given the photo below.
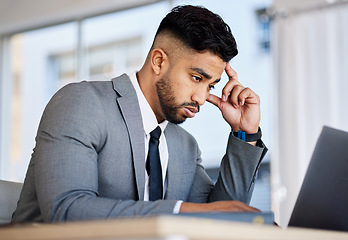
<point x="190" y="111"/>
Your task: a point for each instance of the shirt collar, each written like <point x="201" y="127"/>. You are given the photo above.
<point x="148" y="116"/>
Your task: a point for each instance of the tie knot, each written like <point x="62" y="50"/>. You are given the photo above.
<point x="156" y="133"/>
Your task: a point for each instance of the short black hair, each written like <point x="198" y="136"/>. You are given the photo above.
<point x="200" y="29"/>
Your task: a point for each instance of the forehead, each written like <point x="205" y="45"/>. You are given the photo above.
<point x="206" y="61"/>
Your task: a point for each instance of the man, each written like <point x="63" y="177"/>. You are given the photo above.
<point x="95" y="143"/>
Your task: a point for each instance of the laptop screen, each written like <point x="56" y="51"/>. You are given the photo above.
<point x="323" y="199"/>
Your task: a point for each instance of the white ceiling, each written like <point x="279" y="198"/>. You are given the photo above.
<point x="21" y="15"/>
<point x="295" y="4"/>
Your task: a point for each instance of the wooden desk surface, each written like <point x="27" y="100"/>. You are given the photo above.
<point x="163" y="227"/>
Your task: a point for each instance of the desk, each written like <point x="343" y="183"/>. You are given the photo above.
<point x="162" y="227"/>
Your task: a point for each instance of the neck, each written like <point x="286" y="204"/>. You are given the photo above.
<point x="147" y="82"/>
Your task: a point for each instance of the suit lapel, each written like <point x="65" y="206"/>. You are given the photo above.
<point x="128" y="103"/>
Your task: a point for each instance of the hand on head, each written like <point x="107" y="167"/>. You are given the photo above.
<point x="239" y="106"/>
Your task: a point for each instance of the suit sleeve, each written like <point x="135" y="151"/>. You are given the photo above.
<point x="70" y="136"/>
<point x="236" y="179"/>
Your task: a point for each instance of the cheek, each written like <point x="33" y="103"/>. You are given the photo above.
<point x="183" y="91"/>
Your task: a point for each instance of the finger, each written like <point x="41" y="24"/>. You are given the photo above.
<point x="230" y="85"/>
<point x="233" y="81"/>
<point x="249" y="96"/>
<point x="214" y="100"/>
<point x="252" y="209"/>
<point x="247" y="208"/>
<point x="235" y="95"/>
<point x="230" y="72"/>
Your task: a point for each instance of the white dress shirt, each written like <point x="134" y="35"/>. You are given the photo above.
<point x="150" y="123"/>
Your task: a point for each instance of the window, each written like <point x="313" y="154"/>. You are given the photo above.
<point x="102" y="61"/>
<point x="31" y="89"/>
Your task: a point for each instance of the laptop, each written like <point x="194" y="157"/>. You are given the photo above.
<point x="323" y="198"/>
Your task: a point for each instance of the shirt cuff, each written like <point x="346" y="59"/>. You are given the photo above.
<point x="177" y="207"/>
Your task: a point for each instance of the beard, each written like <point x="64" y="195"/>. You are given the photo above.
<point x="168" y="102"/>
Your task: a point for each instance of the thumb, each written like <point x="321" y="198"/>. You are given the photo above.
<point x="214" y="100"/>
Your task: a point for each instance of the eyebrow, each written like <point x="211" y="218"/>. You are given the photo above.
<point x="204" y="74"/>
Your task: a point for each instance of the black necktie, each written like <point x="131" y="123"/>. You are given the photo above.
<point x="153" y="166"/>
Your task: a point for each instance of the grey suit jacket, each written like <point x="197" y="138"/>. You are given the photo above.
<point x="88" y="162"/>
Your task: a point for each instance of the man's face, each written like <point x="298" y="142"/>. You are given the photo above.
<point x="185" y="85"/>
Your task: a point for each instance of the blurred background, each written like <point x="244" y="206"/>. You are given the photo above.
<point x="293" y="54"/>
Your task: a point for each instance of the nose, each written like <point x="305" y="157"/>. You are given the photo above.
<point x="200" y="95"/>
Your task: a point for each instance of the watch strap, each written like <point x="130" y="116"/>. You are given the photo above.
<point x="248" y="137"/>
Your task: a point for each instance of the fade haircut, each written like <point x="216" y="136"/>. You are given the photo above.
<point x="201" y="30"/>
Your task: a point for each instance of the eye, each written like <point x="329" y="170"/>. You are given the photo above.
<point x="197" y="78"/>
<point x="211" y="87"/>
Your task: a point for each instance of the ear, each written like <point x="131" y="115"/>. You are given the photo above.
<point x="158" y="60"/>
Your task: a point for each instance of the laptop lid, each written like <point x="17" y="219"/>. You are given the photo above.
<point x="323" y="199"/>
